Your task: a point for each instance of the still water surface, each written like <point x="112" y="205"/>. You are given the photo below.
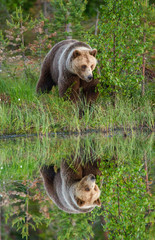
<point x="125" y="171"/>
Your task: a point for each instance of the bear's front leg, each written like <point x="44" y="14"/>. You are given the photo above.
<point x="91" y="95"/>
<point x="91" y="92"/>
<point x="69" y="89"/>
<point x="71" y="171"/>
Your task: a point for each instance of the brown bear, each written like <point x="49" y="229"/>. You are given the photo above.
<point x="69" y="64"/>
<point x="73" y="189"/>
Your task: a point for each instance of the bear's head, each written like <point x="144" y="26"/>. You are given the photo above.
<point x="87" y="193"/>
<point x="83" y="62"/>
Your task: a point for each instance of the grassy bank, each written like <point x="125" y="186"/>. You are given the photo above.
<point x="22" y="111"/>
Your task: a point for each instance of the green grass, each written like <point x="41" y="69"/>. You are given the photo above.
<point x="22" y="111"/>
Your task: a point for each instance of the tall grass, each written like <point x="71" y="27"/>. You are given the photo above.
<point x="22" y="111"/>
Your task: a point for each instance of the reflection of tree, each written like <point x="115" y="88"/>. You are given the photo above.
<point x="124" y="196"/>
<point x="126" y="170"/>
<point x="20" y="205"/>
<point x="28" y="208"/>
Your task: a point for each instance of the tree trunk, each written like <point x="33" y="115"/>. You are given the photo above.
<point x="105" y="234"/>
<point x="96" y="23"/>
<point x="144" y="56"/>
<point x="68" y="28"/>
<point x="45" y="8"/>
<point x="45" y="13"/>
<point x="114" y="67"/>
<point x="143" y="67"/>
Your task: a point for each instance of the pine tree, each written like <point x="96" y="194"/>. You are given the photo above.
<point x="68" y="16"/>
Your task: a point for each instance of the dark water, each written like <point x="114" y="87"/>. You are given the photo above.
<point x="126" y="167"/>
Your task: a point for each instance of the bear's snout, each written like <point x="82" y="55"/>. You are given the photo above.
<point x="92" y="177"/>
<point x="90" y="77"/>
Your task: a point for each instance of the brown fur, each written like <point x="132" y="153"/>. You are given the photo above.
<point x="69" y="65"/>
<point x="73" y="190"/>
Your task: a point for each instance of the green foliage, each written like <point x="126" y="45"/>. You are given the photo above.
<point x="147" y="20"/>
<point x="17" y="51"/>
<point x="68" y="16"/>
<point x="119" y="47"/>
<point x="92" y="7"/>
<point x="14" y="48"/>
<point x="124" y="205"/>
<point x="11" y="5"/>
<point x="44" y="37"/>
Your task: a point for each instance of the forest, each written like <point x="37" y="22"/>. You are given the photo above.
<point x="42" y="129"/>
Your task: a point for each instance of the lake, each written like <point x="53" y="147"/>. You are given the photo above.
<point x="126" y="166"/>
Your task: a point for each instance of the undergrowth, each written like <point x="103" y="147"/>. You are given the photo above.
<point x="23" y="111"/>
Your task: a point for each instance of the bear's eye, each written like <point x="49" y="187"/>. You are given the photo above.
<point x="92" y="66"/>
<point x="83" y="67"/>
<point x="87" y="189"/>
<point x="80" y="202"/>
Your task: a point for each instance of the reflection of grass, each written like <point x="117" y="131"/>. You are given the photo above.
<point x="22" y="157"/>
<point x="123" y="175"/>
<point x="21" y="110"/>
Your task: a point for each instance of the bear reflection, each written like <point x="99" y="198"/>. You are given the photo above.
<point x="73" y="188"/>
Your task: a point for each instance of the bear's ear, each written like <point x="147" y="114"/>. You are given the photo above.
<point x="97" y="202"/>
<point x="93" y="52"/>
<point x="80" y="202"/>
<point x="76" y="53"/>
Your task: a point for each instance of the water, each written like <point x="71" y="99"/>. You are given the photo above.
<point x="126" y="183"/>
